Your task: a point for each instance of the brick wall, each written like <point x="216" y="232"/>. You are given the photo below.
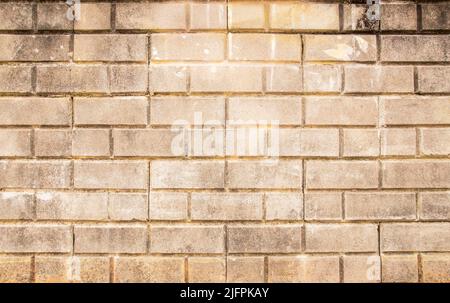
<point x="92" y="190"/>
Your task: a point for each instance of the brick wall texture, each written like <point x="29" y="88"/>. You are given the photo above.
<point x="92" y="190"/>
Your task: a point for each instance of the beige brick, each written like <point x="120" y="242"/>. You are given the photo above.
<point x="355" y="18"/>
<point x="130" y="239"/>
<point x="149" y="269"/>
<point x="128" y="206"/>
<point x="434" y="206"/>
<point x="207" y="16"/>
<point x="35" y="238"/>
<point x="226" y="206"/>
<point x="341" y="238"/>
<point x="15" y="79"/>
<point x="308" y="142"/>
<point x="35" y="174"/>
<point x="168" y="206"/>
<point x="34" y="111"/>
<point x="15" y="142"/>
<point x="90" y="142"/>
<point x="206" y="270"/>
<point x="304" y="16"/>
<point x="15" y="269"/>
<point x="414" y="110"/>
<point x="434" y="141"/>
<point x="111" y="174"/>
<point x="16" y="206"/>
<point x="362" y="269"/>
<point x="416" y="174"/>
<point x="53" y="16"/>
<point x="308" y="269"/>
<point x="435" y="16"/>
<point x="245" y="269"/>
<point x="269" y="47"/>
<point x="187" y="174"/>
<point x="436" y="268"/>
<point x="168" y="78"/>
<point x="147" y="16"/>
<point x="361" y="142"/>
<point x="341" y="174"/>
<point x="433" y="79"/>
<point x="195" y="46"/>
<point x="284" y="78"/>
<point x="340" y="48"/>
<point x="415" y="237"/>
<point x="400" y="16"/>
<point x="323" y="206"/>
<point x="341" y="111"/>
<point x="246" y="15"/>
<point x="379" y="79"/>
<point x="131" y="78"/>
<point x="16" y="16"/>
<point x="222" y="78"/>
<point x="322" y="78"/>
<point x="50" y="269"/>
<point x="187" y="239"/>
<point x="249" y="140"/>
<point x="260" y="174"/>
<point x="398" y="141"/>
<point x="34" y="47"/>
<point x="107" y="111"/>
<point x="52" y="143"/>
<point x="71" y="206"/>
<point x="380" y="206"/>
<point x="399" y="268"/>
<point x="395" y="48"/>
<point x="284" y="206"/>
<point x="264" y="238"/>
<point x="94" y="16"/>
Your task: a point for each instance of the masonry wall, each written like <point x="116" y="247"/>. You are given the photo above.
<point x="90" y="187"/>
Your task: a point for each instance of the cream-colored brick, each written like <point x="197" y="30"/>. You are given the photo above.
<point x="245" y="269"/>
<point x="284" y="206"/>
<point x="15" y="79"/>
<point x="15" y="143"/>
<point x="436" y="268"/>
<point x="168" y="78"/>
<point x="308" y="142"/>
<point x="15" y="269"/>
<point x="434" y="206"/>
<point x="323" y="206"/>
<point x="90" y="142"/>
<point x="355" y="18"/>
<point x="94" y="16"/>
<point x="434" y="141"/>
<point x="168" y="206"/>
<point x="284" y="78"/>
<point x="323" y="78"/>
<point x="128" y="206"/>
<point x="149" y="142"/>
<point x="149" y="269"/>
<point x="208" y="16"/>
<point x="412" y="48"/>
<point x="398" y="141"/>
<point x="362" y="269"/>
<point x="16" y="16"/>
<point x="52" y="143"/>
<point x="206" y="270"/>
<point x="399" y="268"/>
<point x="132" y="78"/>
<point x="53" y="16"/>
<point x="361" y="142"/>
<point x="16" y="206"/>
<point x="246" y="15"/>
<point x="433" y="79"/>
<point x="398" y="16"/>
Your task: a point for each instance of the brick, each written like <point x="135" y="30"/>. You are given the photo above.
<point x="304" y="16"/>
<point x="53" y="16"/>
<point x="264" y="238"/>
<point x="415" y="237"/>
<point x="132" y="78"/>
<point x="90" y="142"/>
<point x="361" y="142"/>
<point x="35" y="238"/>
<point x="249" y="140"/>
<point x="434" y="141"/>
<point x="341" y="111"/>
<point x="94" y="16"/>
<point x="131" y="239"/>
<point x="341" y="174"/>
<point x="128" y="206"/>
<point x="307" y="269"/>
<point x="380" y="206"/>
<point x="16" y="206"/>
<point x="245" y="269"/>
<point x="187" y="174"/>
<point x="284" y="206"/>
<point x="220" y="78"/>
<point x="435" y="16"/>
<point x="397" y="48"/>
<point x="207" y="16"/>
<point x="436" y="268"/>
<point x="149" y="269"/>
<point x="15" y="269"/>
<point x="16" y="16"/>
<point x="187" y="239"/>
<point x="246" y="15"/>
<point x="195" y="46"/>
<point x="416" y="174"/>
<point x="168" y="206"/>
<point x="145" y="16"/>
<point x="71" y="206"/>
<point x="362" y="269"/>
<point x="46" y="111"/>
<point x="308" y="142"/>
<point x="322" y="78"/>
<point x="52" y="143"/>
<point x="379" y="79"/>
<point x="34" y="47"/>
<point x="341" y="238"/>
<point x="414" y="110"/>
<point x="168" y="78"/>
<point x="35" y="174"/>
<point x="226" y="206"/>
<point x="434" y="206"/>
<point x="399" y="268"/>
<point x="323" y="206"/>
<point x="15" y="142"/>
<point x="400" y="16"/>
<point x="340" y="48"/>
<point x="284" y="78"/>
<point x="258" y="174"/>
<point x="398" y="141"/>
<point x="15" y="79"/>
<point x="432" y="79"/>
<point x="111" y="174"/>
<point x="116" y="111"/>
<point x="355" y="18"/>
<point x="268" y="47"/>
<point x="206" y="270"/>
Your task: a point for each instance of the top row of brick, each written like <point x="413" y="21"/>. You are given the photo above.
<point x="274" y="16"/>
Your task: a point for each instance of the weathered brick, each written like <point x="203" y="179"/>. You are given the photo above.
<point x="168" y="205"/>
<point x="53" y="16"/>
<point x="34" y="47"/>
<point x="15" y="79"/>
<point x="16" y="16"/>
<point x="362" y="269"/>
<point x="90" y="142"/>
<point x="322" y="78"/>
<point x="399" y="268"/>
<point x="94" y="16"/>
<point x="416" y="174"/>
<point x="15" y="142"/>
<point x="361" y="142"/>
<point x="323" y="206"/>
<point x="433" y="79"/>
<point x="398" y="141"/>
<point x="284" y="78"/>
<point x="434" y="206"/>
<point x="284" y="206"/>
<point x="246" y="15"/>
<point x="207" y="16"/>
<point x="16" y="206"/>
<point x="206" y="270"/>
<point x="308" y="142"/>
<point x="132" y="78"/>
<point x="398" y="16"/>
<point x="396" y="48"/>
<point x="355" y="18"/>
<point x="434" y="141"/>
<point x="15" y="269"/>
<point x="149" y="269"/>
<point x="435" y="16"/>
<point x="52" y="143"/>
<point x="436" y="268"/>
<point x="245" y="269"/>
<point x="168" y="78"/>
<point x="128" y="206"/>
